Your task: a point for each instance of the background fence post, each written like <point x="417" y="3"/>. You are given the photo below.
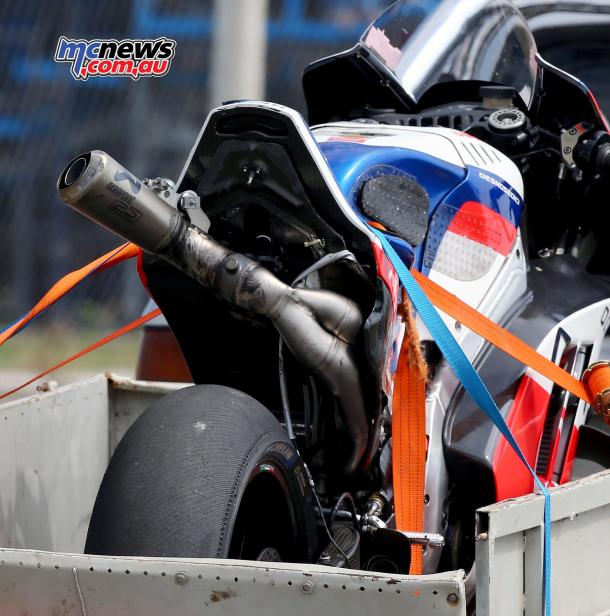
<point x="239" y="49"/>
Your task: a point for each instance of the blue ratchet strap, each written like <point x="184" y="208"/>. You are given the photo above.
<point x="472" y="383"/>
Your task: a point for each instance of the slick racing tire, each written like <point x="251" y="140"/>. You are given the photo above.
<point x="205" y="472"/>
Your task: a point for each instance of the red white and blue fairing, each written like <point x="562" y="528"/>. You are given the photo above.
<point x="476" y="195"/>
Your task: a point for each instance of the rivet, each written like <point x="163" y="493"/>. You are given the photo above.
<point x="181" y="578"/>
<point x="308" y="587"/>
<point x="452" y="598"/>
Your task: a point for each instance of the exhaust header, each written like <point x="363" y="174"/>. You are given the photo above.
<point x="318" y="326"/>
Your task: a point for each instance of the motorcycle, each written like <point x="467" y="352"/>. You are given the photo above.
<point x="263" y="259"/>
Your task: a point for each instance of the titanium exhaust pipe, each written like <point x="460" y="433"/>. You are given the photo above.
<point x="317" y="326"/>
<point x="117" y="200"/>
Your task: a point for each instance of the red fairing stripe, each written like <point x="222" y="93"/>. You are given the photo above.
<point x="566" y="472"/>
<point x="526" y="422"/>
<point x="481" y="224"/>
<point x="387" y="273"/>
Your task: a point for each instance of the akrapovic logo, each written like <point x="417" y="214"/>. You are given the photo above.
<point x="507" y="191"/>
<point x="111" y="58"/>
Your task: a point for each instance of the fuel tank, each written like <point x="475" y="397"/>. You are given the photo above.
<point x="474" y="194"/>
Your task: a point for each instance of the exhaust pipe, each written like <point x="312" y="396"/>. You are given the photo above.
<point x="98" y="187"/>
<point x="317" y="326"/>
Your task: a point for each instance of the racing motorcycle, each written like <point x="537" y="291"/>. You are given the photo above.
<point x="262" y="257"/>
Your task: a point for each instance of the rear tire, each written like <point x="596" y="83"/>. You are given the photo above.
<point x="206" y="471"/>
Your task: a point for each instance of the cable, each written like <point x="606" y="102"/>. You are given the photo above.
<point x="335" y="510"/>
<point x="319" y="504"/>
<point x="284" y="392"/>
<point x="326" y="260"/>
<point x="330" y="536"/>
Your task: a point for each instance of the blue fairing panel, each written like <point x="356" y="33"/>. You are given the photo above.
<point x="355" y="163"/>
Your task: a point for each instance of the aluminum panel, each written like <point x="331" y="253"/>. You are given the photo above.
<point x="53" y="453"/>
<point x="43" y="583"/>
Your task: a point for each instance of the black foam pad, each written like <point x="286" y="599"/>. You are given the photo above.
<point x="400" y="204"/>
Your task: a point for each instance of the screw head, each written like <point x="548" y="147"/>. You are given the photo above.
<point x="452" y="598"/>
<point x="572" y="131"/>
<point x="308" y="587"/>
<point x="567" y="150"/>
<point x="181" y="578"/>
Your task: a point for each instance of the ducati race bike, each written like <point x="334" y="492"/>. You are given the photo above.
<point x="487" y="169"/>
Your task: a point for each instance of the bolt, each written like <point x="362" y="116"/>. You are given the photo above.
<point x="572" y="131"/>
<point x="308" y="587"/>
<point x="231" y="264"/>
<point x="452" y="598"/>
<point x="545" y="253"/>
<point x="181" y="578"/>
<point x="324" y="558"/>
<point x="567" y="150"/>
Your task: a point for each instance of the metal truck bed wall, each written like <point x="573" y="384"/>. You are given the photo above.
<point x="54" y="448"/>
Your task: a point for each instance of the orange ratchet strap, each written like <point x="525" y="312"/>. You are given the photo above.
<point x="597" y="380"/>
<point x="68" y="282"/>
<point x="409" y="436"/>
<point x="501" y="338"/>
<point x="119" y="332"/>
<point x="63" y="286"/>
<point x="408" y="410"/>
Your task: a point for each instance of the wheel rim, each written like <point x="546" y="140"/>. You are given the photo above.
<point x="270" y="555"/>
<point x="265" y="526"/>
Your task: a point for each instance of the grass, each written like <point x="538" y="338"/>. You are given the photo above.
<point x="34" y="350"/>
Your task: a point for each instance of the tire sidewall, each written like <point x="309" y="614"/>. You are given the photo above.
<point x="289" y="470"/>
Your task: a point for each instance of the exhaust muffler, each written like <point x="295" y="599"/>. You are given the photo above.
<point x="318" y="326"/>
<point x="98" y="187"/>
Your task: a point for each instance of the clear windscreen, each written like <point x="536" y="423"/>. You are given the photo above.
<point x="426" y="42"/>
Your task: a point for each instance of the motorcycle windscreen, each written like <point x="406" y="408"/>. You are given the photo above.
<point x="426" y="42"/>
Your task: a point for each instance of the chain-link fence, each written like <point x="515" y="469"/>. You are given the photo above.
<point x="46" y="118"/>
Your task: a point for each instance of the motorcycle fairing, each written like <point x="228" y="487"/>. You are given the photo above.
<point x="475" y="195"/>
<point x="258" y="125"/>
<point x="559" y="290"/>
<point x="568" y="98"/>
